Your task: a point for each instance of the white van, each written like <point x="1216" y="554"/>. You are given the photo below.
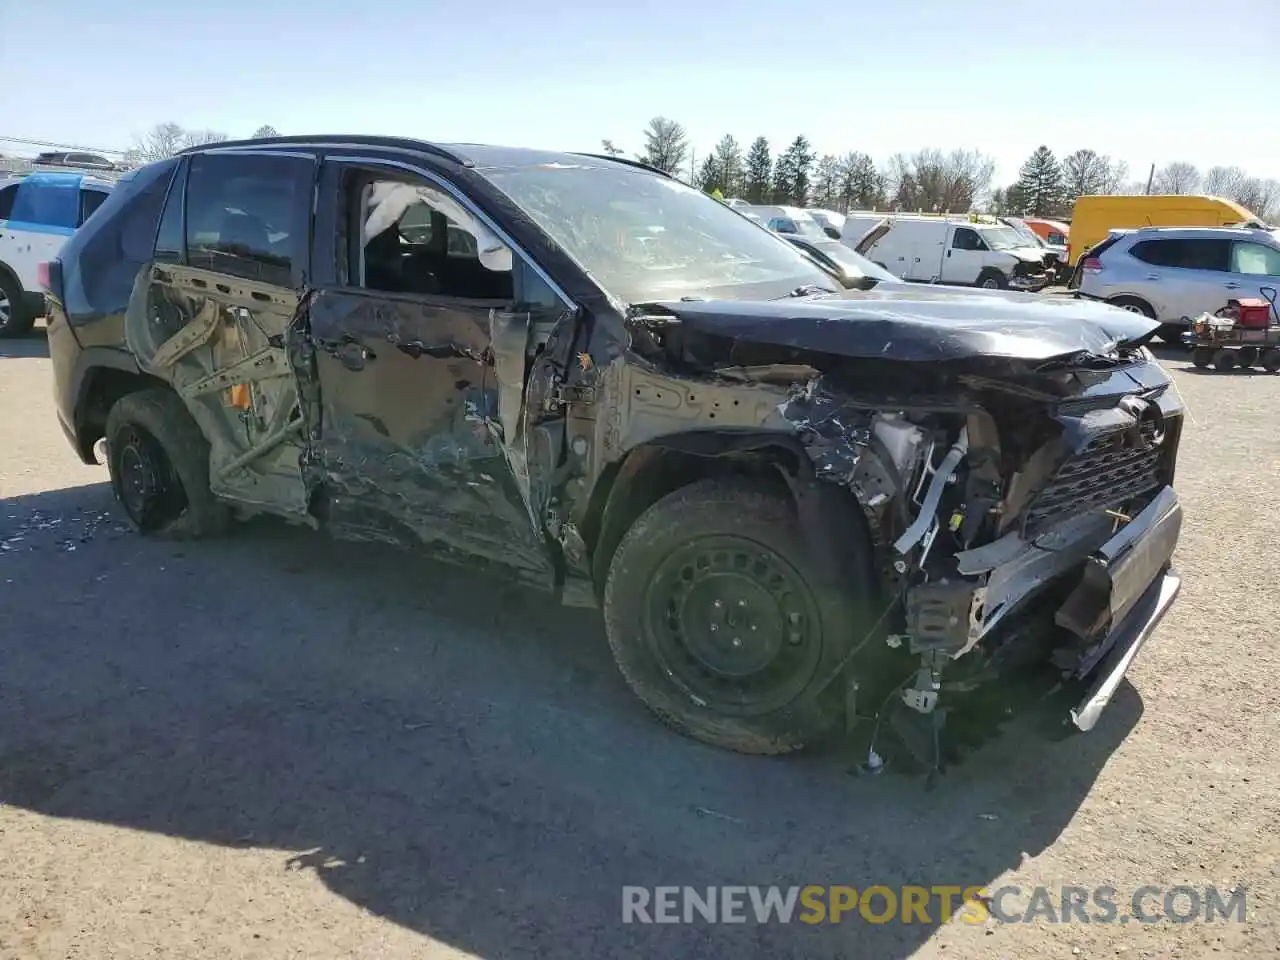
<point x="791" y="220"/>
<point x="38" y="212"/>
<point x="964" y="251"/>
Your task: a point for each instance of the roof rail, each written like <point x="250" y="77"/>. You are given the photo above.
<point x="629" y="162"/>
<point x="343" y="139"/>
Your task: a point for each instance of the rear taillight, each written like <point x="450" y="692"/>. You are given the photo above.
<point x="49" y="276"/>
<point x="1091" y="265"/>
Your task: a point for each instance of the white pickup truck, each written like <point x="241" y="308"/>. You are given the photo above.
<point x="38" y="212"/>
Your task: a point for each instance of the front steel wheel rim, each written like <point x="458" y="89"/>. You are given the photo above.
<point x="733" y="624"/>
<point x="148" y="487"/>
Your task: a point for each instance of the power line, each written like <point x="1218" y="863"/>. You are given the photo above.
<point x="59" y="146"/>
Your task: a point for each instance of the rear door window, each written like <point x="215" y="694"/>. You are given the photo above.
<point x="1255" y="259"/>
<point x="249" y="215"/>
<point x="90" y="200"/>
<point x="6" y="200"/>
<point x="1184" y="253"/>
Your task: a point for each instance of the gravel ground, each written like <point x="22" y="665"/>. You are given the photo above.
<point x="277" y="746"/>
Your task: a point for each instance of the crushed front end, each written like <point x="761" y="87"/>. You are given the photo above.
<point x="1022" y="515"/>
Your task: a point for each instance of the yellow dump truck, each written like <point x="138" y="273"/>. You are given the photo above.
<point x="1094" y="216"/>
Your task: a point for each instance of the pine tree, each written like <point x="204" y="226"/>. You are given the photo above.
<point x="666" y="145"/>
<point x="800" y="157"/>
<point x="759" y="171"/>
<point x="709" y="175"/>
<point x="728" y="155"/>
<point x="1039" y="190"/>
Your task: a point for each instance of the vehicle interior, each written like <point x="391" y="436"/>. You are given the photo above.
<point x="411" y="246"/>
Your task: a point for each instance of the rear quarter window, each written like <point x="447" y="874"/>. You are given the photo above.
<point x="102" y="260"/>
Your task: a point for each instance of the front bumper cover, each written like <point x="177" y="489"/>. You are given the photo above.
<point x="1130" y="637"/>
<point x="1127" y="587"/>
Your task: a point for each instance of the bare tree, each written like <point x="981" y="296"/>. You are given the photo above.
<point x="608" y="147"/>
<point x="939" y="182"/>
<point x="1086" y="172"/>
<point x="1179" y="177"/>
<point x="166" y="139"/>
<point x="202" y="138"/>
<point x="162" y="140"/>
<point x="266" y="130"/>
<point x="666" y="145"/>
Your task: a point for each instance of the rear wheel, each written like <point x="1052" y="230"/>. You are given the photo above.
<point x="1247" y="357"/>
<point x="1224" y="360"/>
<point x="720" y="620"/>
<point x="1271" y="360"/>
<point x="159" y="466"/>
<point x="1202" y="357"/>
<point x="15" y="319"/>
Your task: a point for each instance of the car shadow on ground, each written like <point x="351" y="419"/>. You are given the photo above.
<point x="34" y="344"/>
<point x="449" y="752"/>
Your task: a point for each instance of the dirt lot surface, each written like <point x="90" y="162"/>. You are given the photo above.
<point x="276" y="746"/>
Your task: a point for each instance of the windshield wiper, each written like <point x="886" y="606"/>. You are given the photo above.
<point x="808" y="290"/>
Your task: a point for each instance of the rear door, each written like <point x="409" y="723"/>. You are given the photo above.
<point x="1181" y="277"/>
<point x="422" y="419"/>
<point x="230" y="256"/>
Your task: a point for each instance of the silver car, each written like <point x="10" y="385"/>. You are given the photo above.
<point x="1174" y="274"/>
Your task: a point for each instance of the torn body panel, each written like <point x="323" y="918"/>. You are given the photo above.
<point x="220" y="342"/>
<point x="412" y="441"/>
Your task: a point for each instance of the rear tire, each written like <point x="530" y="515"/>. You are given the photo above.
<point x="1224" y="360"/>
<point x="15" y="319"/>
<point x="1202" y="357"/>
<point x="1271" y="360"/>
<point x="720" y="618"/>
<point x="159" y="465"/>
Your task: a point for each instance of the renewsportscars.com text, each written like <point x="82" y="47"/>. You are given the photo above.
<point x="817" y="904"/>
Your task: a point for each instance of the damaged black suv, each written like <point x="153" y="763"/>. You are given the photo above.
<point x="787" y="498"/>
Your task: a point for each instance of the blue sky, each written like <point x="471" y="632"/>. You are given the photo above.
<point x="1142" y="80"/>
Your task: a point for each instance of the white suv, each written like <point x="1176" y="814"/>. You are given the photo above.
<point x="1174" y="274"/>
<point x="37" y="214"/>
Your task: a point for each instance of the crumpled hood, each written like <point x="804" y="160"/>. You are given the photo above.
<point x="1027" y="254"/>
<point x="911" y="323"/>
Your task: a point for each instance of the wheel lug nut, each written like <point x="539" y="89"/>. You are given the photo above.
<point x="794" y="638"/>
<point x="793" y="617"/>
<point x="737" y="642"/>
<point x="715" y="627"/>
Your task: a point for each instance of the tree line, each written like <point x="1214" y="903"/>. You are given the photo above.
<point x="929" y="180"/>
<point x="165" y="139"/>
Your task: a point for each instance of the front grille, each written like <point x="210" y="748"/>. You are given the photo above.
<point x="1108" y="472"/>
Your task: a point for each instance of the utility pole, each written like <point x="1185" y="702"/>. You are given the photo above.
<point x="1151" y="179"/>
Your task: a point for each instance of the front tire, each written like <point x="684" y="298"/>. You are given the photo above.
<point x="992" y="280"/>
<point x="159" y="465"/>
<point x="15" y="319"/>
<point x="718" y="618"/>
